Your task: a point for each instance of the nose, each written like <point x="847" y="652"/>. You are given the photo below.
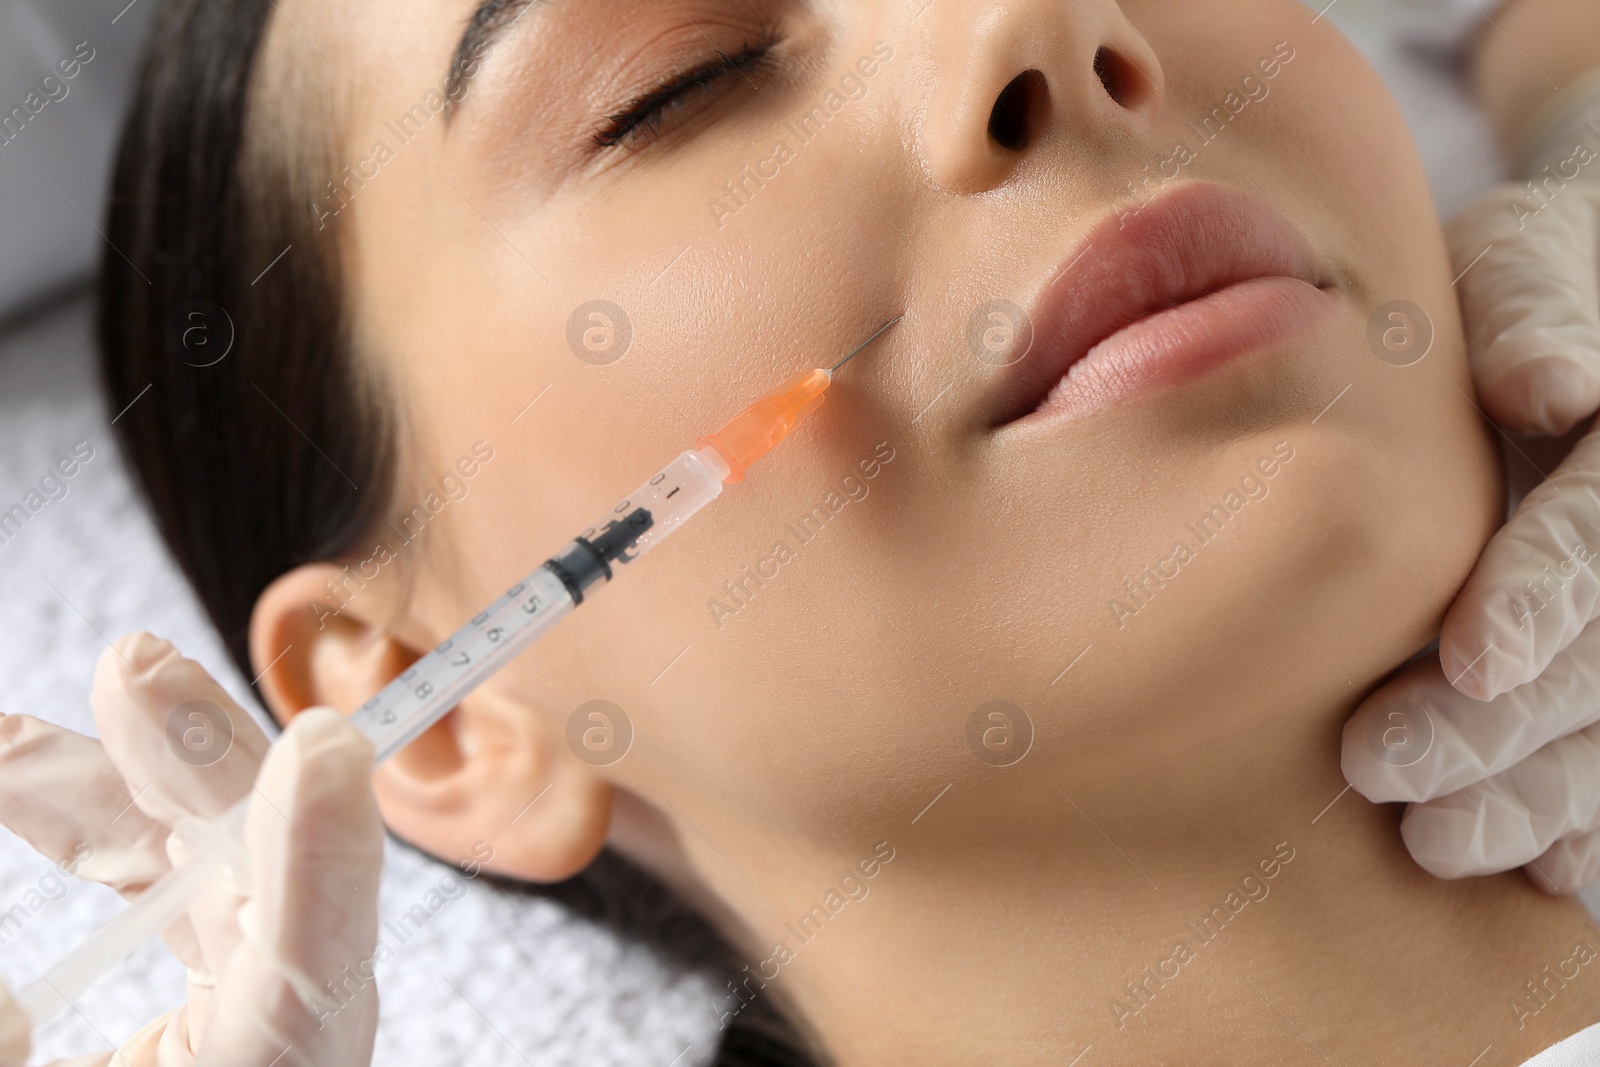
<point x="1021" y="72"/>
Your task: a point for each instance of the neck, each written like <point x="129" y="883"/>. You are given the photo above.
<point x="1033" y="913"/>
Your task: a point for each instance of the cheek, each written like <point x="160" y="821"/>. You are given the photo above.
<point x="765" y="594"/>
<point x="718" y="624"/>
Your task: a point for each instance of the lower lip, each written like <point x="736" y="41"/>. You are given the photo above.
<point x="1183" y="342"/>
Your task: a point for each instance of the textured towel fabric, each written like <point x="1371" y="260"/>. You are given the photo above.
<point x="1582" y="1049"/>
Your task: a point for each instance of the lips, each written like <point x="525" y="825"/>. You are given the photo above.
<point x="1194" y="279"/>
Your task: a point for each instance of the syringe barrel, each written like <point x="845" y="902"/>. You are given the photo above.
<point x="430" y="687"/>
<point x="422" y="694"/>
<point x="425" y="691"/>
<point x="671" y="498"/>
<point x="656" y="509"/>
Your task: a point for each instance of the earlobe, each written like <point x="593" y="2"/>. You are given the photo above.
<point x="512" y="792"/>
<point x="492" y="780"/>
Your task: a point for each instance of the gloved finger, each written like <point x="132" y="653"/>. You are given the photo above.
<point x="187" y="751"/>
<point x="60" y="793"/>
<point x="1418" y="737"/>
<point x="16" y="1037"/>
<point x="1532" y="304"/>
<point x="1534" y="588"/>
<point x="186" y="748"/>
<point x="1513" y="818"/>
<point x="143" y="1049"/>
<point x="16" y="1040"/>
<point x="1568" y="866"/>
<point x="300" y="986"/>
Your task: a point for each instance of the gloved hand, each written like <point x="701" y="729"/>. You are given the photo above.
<point x="1495" y="741"/>
<point x="260" y="949"/>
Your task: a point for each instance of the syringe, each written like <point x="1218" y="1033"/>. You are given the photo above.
<point x="426" y="691"/>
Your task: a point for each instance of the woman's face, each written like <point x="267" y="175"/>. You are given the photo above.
<point x="550" y="274"/>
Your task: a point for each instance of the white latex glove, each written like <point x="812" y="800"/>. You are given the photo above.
<point x="1494" y="741"/>
<point x="257" y="953"/>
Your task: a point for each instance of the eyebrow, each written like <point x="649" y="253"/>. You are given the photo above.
<point x="492" y="20"/>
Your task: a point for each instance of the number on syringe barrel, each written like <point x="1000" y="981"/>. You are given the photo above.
<point x="594" y="531"/>
<point x="387" y="716"/>
<point x="656" y="482"/>
<point x="421" y="691"/>
<point x="460" y="659"/>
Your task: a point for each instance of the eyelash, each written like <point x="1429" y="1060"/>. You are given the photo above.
<point x="641" y="119"/>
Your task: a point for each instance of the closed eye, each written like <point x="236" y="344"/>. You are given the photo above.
<point x="641" y="121"/>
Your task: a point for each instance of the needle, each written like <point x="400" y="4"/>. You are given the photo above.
<point x="867" y="342"/>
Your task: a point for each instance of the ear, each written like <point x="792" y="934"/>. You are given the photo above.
<point x="492" y="782"/>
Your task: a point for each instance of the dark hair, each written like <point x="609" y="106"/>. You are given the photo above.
<point x="259" y="441"/>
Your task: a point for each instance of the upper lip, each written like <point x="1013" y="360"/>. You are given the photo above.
<point x="1194" y="240"/>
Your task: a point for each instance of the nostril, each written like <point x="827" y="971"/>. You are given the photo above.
<point x="1019" y="110"/>
<point x="1116" y="74"/>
